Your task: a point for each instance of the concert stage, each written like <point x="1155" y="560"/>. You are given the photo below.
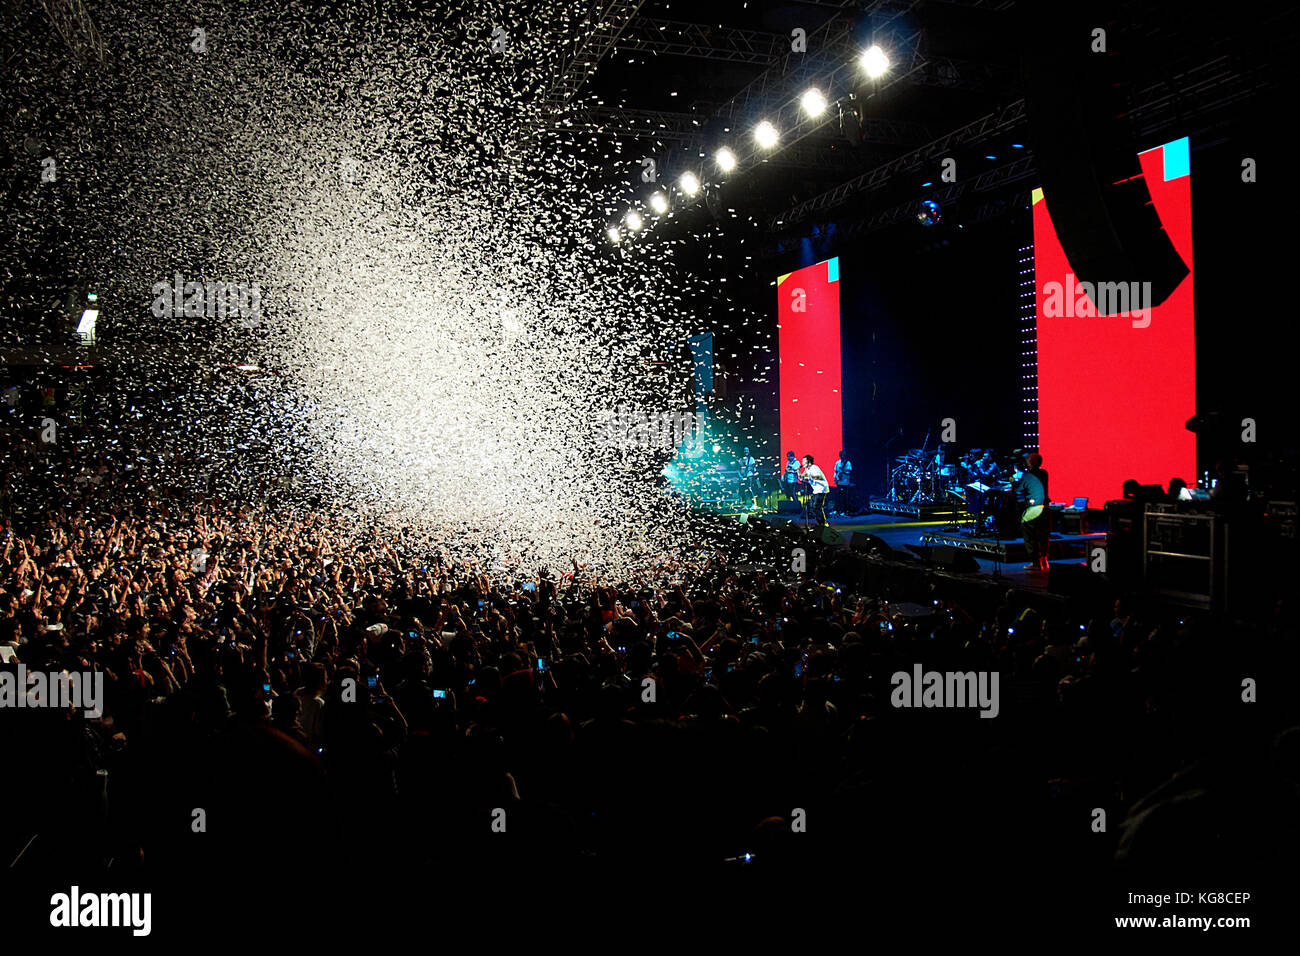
<point x="1001" y="557"/>
<point x="1062" y="547"/>
<point x="922" y="510"/>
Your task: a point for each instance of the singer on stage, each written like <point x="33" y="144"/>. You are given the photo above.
<point x="816" y="479"/>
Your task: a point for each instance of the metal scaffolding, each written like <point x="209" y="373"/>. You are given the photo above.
<point x="603" y="27"/>
<point x="1019" y="169"/>
<point x="680" y="127"/>
<point x="829" y="45"/>
<point x="701" y="41"/>
<point x="1167" y="103"/>
<point x="982" y="128"/>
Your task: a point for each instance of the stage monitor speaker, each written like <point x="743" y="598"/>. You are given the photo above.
<point x="829" y="535"/>
<point x="868" y="544"/>
<point x="951" y="559"/>
<point x="946" y="557"/>
<point x="1086" y="151"/>
<point x="847" y="568"/>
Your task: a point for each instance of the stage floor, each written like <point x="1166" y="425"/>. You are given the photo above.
<point x="898" y="531"/>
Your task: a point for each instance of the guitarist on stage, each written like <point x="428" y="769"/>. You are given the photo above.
<point x="749" y="478"/>
<point x="790" y="477"/>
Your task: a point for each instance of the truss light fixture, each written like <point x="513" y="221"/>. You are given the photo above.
<point x="814" y="102"/>
<point x="765" y="135"/>
<point x="875" y="62"/>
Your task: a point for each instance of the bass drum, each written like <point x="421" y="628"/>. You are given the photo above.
<point x="902" y="482"/>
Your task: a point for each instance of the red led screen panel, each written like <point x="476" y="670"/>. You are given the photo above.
<point x="808" y="342"/>
<point x="1114" y="391"/>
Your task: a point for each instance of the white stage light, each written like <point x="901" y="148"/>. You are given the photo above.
<point x="875" y="62"/>
<point x="86" y="327"/>
<point x="613" y="234"/>
<point x="633" y="220"/>
<point x="689" y="183"/>
<point x="814" y="102"/>
<point x="659" y="203"/>
<point x="725" y="159"/>
<point x="765" y="135"/>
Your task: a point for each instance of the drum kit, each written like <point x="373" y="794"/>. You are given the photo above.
<point x="921" y="477"/>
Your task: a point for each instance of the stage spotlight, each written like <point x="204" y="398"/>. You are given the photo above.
<point x="725" y="159"/>
<point x="689" y="183"/>
<point x="633" y="220"/>
<point x="659" y="203"/>
<point x="814" y="102"/>
<point x="613" y="234"/>
<point x="765" y="135"/>
<point x="875" y="62"/>
<point x="86" y="327"/>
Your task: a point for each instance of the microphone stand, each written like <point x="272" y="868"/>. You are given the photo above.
<point x="997" y="554"/>
<point x="920" y="481"/>
<point x="889" y="471"/>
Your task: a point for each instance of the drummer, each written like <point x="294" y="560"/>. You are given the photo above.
<point x="948" y="473"/>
